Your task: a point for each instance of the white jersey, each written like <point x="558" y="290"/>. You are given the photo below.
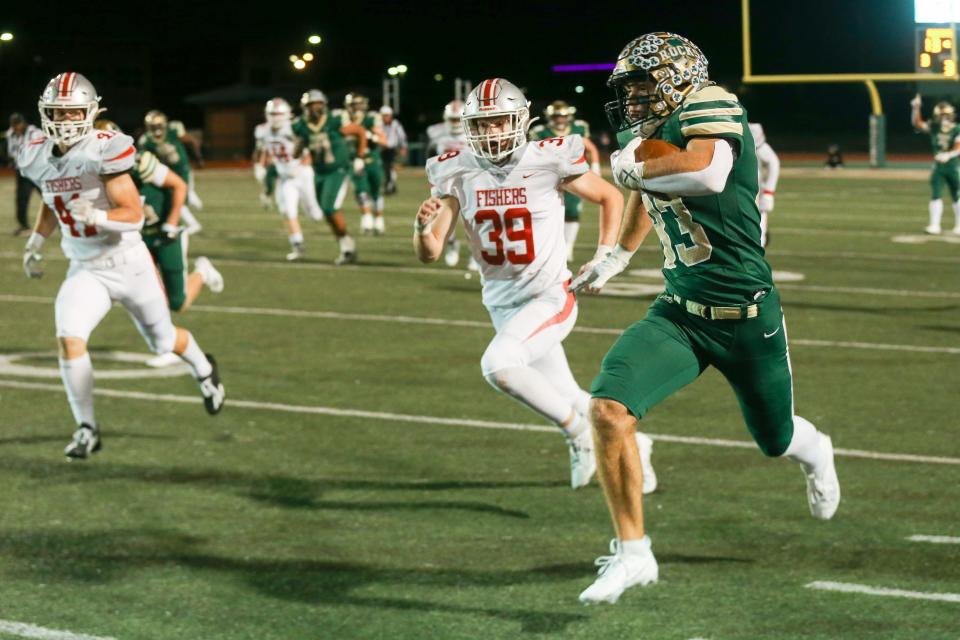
<point x="513" y="214"/>
<point x="78" y="173"/>
<point x="280" y="145"/>
<point x="442" y="140"/>
<point x="766" y="159"/>
<point x="16" y="142"/>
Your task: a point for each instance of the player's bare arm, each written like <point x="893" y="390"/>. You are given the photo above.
<point x="592" y="187"/>
<point x="433" y="224"/>
<point x="593" y="155"/>
<point x="915" y="118"/>
<point x="178" y="196"/>
<point x="194" y="145"/>
<point x="354" y="129"/>
<point x="123" y="193"/>
<point x="46" y="221"/>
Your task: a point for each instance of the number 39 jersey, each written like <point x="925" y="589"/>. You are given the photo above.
<point x="513" y="214"/>
<point x="79" y="173"/>
<point x="280" y="145"/>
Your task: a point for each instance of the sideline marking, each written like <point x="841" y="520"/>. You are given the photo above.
<point x="371" y="317"/>
<point x="9" y="366"/>
<point x="847" y="587"/>
<point x="452" y="422"/>
<point x="26" y="630"/>
<point x="934" y="539"/>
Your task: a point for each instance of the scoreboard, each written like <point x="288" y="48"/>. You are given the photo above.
<point x="935" y="51"/>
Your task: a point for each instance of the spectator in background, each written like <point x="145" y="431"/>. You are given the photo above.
<point x="20" y="133"/>
<point x="834" y="157"/>
<point x="396" y="145"/>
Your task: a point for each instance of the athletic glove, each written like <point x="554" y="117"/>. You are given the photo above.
<point x="597" y="272"/>
<point x="32" y="257"/>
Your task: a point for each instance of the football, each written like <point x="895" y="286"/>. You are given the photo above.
<point x="650" y="149"/>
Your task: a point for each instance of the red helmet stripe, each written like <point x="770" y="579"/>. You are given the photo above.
<point x="66" y="81"/>
<point x="488" y="93"/>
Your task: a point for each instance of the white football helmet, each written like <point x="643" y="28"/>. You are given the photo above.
<point x="452" y="117"/>
<point x="490" y="98"/>
<point x="68" y="90"/>
<point x="277" y="112"/>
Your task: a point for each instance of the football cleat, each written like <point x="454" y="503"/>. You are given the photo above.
<point x="366" y="223"/>
<point x="379" y="226"/>
<point x="163" y="360"/>
<point x="645" y="446"/>
<point x="473" y="265"/>
<point x="451" y="255"/>
<point x="296" y="253"/>
<point x="620" y="571"/>
<point x="86" y="440"/>
<point x="583" y="463"/>
<point x="823" y="487"/>
<point x="956" y="230"/>
<point x="212" y="389"/>
<point x="266" y="201"/>
<point x="932" y="229"/>
<point x="211" y="277"/>
<point x="346" y="257"/>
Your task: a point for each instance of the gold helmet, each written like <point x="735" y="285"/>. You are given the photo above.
<point x="156" y="124"/>
<point x="105" y="124"/>
<point x="670" y="66"/>
<point x="559" y="114"/>
<point x="944" y="114"/>
<point x="356" y="102"/>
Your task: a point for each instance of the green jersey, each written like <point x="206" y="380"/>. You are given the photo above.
<point x="169" y="150"/>
<point x="370" y="121"/>
<point x="323" y="139"/>
<point x="711" y="244"/>
<point x="944" y="141"/>
<point x="157" y="200"/>
<point x="542" y="132"/>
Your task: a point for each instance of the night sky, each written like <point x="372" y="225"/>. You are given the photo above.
<point x="199" y="47"/>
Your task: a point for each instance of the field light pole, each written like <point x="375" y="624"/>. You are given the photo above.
<point x="391" y="87"/>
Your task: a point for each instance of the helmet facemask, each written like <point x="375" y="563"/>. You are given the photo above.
<point x="945" y="115"/>
<point x="497" y="145"/>
<point x="278" y="113"/>
<point x="68" y="92"/>
<point x="560" y="116"/>
<point x="452" y="117"/>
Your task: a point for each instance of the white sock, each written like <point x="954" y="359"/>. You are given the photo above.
<point x="763" y="228"/>
<point x="378" y="205"/>
<point x="187" y="216"/>
<point x="194" y="356"/>
<point x="570" y="231"/>
<point x="805" y="445"/>
<point x="529" y="387"/>
<point x="635" y="547"/>
<point x="366" y="220"/>
<point x="578" y="424"/>
<point x="347" y="245"/>
<point x="77" y="375"/>
<point x="295" y="239"/>
<point x="936" y="212"/>
<point x="956" y="216"/>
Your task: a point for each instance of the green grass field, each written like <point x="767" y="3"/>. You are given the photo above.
<point x="348" y="490"/>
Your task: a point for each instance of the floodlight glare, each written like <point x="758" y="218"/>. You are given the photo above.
<point x="293" y="57"/>
<point x="314" y="39"/>
<point x="438" y="77"/>
<point x="578" y="88"/>
<point x="401" y="68"/>
<point x="392" y="71"/>
<point x="299" y="65"/>
<point x="6" y="36"/>
<point x="308" y="56"/>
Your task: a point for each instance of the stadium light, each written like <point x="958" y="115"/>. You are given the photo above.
<point x="299" y="65"/>
<point x="578" y="88"/>
<point x="294" y="57"/>
<point x="401" y="69"/>
<point x="6" y="36"/>
<point x="438" y="77"/>
<point x="392" y="71"/>
<point x="307" y="56"/>
<point x="314" y="39"/>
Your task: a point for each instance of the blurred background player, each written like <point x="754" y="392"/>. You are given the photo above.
<point x="322" y="134"/>
<point x="20" y="133"/>
<point x="443" y="138"/>
<point x="944" y="135"/>
<point x="396" y="146"/>
<point x="560" y="122"/>
<point x="283" y="150"/>
<point x="507" y="192"/>
<point x="87" y="191"/>
<point x="368" y="184"/>
<point x="768" y="164"/>
<point x="168" y="141"/>
<point x="263" y="170"/>
<point x="164" y="193"/>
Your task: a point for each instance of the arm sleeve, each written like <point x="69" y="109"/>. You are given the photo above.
<point x="118" y="154"/>
<point x="571" y="156"/>
<point x="708" y="181"/>
<point x="768" y="157"/>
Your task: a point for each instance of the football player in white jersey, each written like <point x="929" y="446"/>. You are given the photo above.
<point x="83" y="176"/>
<point x="295" y="185"/>
<point x="768" y="164"/>
<point x="509" y="194"/>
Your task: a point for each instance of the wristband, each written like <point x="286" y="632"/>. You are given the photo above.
<point x="35" y="242"/>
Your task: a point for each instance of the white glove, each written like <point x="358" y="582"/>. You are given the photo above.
<point x="766" y="201"/>
<point x="945" y="156"/>
<point x="32" y="257"/>
<point x="358" y="165"/>
<point x="259" y="172"/>
<point x="627" y="172"/>
<point x="170" y="230"/>
<point x="596" y="273"/>
<point x="595" y="167"/>
<point x="916" y="101"/>
<point x="83" y="211"/>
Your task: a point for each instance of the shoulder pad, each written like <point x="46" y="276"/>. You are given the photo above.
<point x="117" y="154"/>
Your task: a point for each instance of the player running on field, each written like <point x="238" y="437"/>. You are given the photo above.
<point x="368" y="185"/>
<point x="945" y="140"/>
<point x="169" y="141"/>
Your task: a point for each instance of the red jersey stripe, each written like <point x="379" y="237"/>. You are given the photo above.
<point x="123" y="155"/>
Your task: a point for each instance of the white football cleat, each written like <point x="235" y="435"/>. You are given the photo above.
<point x="266" y="201"/>
<point x="211" y="277"/>
<point x="86" y="440"/>
<point x="823" y="487"/>
<point x="583" y="462"/>
<point x="163" y="360"/>
<point x="932" y="229"/>
<point x="451" y="255"/>
<point x="956" y="231"/>
<point x="366" y="223"/>
<point x="473" y="265"/>
<point x="379" y="225"/>
<point x="620" y="571"/>
<point x="296" y="253"/>
<point x="645" y="445"/>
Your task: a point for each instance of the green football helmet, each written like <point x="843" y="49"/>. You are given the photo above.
<point x="653" y="75"/>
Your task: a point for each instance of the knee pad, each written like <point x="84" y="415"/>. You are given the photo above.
<point x="503" y="352"/>
<point x="161" y="339"/>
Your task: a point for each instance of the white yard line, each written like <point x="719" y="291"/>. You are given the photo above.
<point x="26" y="630"/>
<point x="934" y="539"/>
<point x="448" y="422"/>
<point x="478" y="324"/>
<point x="846" y="587"/>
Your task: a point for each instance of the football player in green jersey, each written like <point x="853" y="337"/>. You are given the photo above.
<point x="169" y="141"/>
<point x="945" y="140"/>
<point x="561" y="122"/>
<point x="322" y="134"/>
<point x="368" y="185"/>
<point x="720" y="306"/>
